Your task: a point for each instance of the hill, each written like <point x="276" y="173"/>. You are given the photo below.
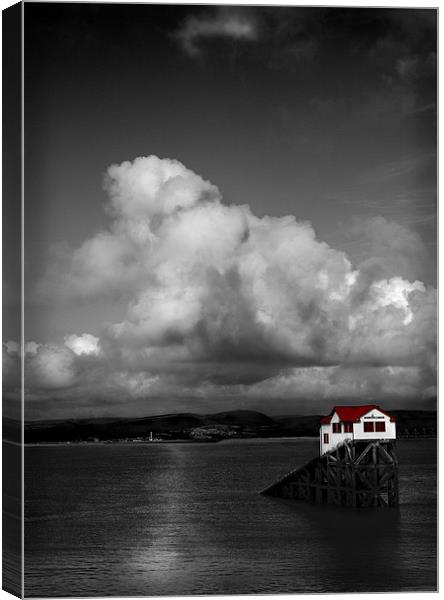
<point x="165" y="426"/>
<point x="236" y="423"/>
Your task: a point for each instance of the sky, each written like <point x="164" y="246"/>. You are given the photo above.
<point x="227" y="207"/>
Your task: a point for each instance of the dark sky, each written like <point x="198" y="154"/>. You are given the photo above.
<point x="326" y="114"/>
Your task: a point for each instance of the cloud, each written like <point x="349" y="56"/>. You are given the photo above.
<point x="286" y="37"/>
<point x="32" y="347"/>
<point x="401" y="168"/>
<point x="82" y="344"/>
<point x="142" y="194"/>
<point x="388" y="249"/>
<point x="403" y="50"/>
<point x="12" y="347"/>
<point x="415" y="67"/>
<point x="224" y="24"/>
<point x="221" y="303"/>
<point x="11" y="375"/>
<point x="341" y="383"/>
<point x="51" y="367"/>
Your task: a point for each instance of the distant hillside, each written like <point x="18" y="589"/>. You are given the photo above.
<point x="11" y="430"/>
<point x="294" y="425"/>
<point x="171" y="425"/>
<point x="236" y="423"/>
<point x="240" y="417"/>
<point x="414" y="419"/>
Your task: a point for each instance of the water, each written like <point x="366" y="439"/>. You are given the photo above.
<point x="170" y="519"/>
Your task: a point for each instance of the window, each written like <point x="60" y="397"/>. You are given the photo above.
<point x="369" y="426"/>
<point x="380" y="426"/>
<point x="336" y="428"/>
<point x="348" y="427"/>
<point x="325" y="438"/>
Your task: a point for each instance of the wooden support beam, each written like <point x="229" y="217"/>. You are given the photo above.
<point x="351" y="475"/>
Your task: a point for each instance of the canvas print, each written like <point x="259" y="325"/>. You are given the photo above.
<point x="224" y="376"/>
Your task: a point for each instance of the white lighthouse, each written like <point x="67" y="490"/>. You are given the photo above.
<point x="365" y="422"/>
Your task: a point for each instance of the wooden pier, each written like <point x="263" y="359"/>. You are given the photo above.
<point x="355" y="474"/>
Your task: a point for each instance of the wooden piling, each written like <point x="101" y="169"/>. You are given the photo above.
<point x="355" y="474"/>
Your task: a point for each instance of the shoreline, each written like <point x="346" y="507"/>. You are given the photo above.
<point x="148" y="443"/>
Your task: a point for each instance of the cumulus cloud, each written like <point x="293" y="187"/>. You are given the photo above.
<point x="51" y="367"/>
<point x="221" y="302"/>
<point x="388" y="249"/>
<point x="82" y="344"/>
<point x="47" y="369"/>
<point x="32" y="347"/>
<point x="224" y="24"/>
<point x="47" y="366"/>
<point x="142" y="194"/>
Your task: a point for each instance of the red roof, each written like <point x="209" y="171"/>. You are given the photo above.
<point x="352" y="413"/>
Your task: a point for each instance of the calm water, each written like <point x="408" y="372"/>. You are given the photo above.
<point x="187" y="519"/>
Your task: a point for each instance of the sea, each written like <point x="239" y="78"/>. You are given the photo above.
<point x="157" y="519"/>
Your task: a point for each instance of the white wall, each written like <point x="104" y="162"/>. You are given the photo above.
<point x="324" y="447"/>
<point x="335" y="439"/>
<point x="375" y="416"/>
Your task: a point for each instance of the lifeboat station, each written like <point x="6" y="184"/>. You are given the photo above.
<point x="357" y="465"/>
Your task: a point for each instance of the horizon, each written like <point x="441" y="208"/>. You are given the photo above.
<point x="270" y="415"/>
<point x="255" y="230"/>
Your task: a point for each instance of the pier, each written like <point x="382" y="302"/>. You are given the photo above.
<point x="354" y="474"/>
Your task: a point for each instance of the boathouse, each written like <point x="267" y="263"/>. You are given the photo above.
<point x="356" y="423"/>
<point x="357" y="466"/>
